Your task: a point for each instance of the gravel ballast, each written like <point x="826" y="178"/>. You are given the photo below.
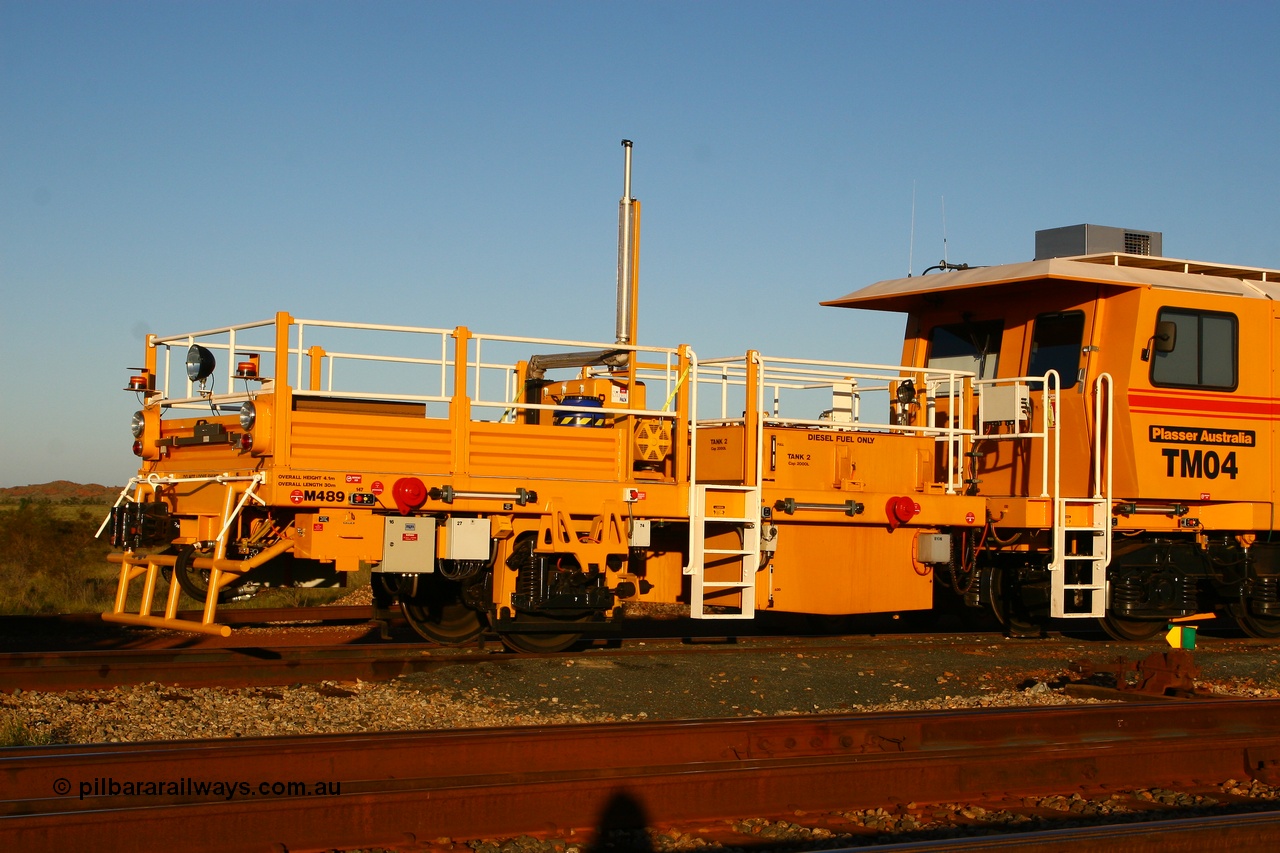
<point x="812" y="676"/>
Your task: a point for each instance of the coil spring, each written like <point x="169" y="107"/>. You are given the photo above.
<point x="1131" y="594"/>
<point x="528" y="577"/>
<point x="1264" y="596"/>
<point x="1189" y="598"/>
<point x="1126" y="594"/>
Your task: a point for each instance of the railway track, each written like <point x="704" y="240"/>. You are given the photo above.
<point x="286" y="650"/>
<point x="296" y="656"/>
<point x="225" y="667"/>
<point x="261" y="666"/>
<point x="412" y="789"/>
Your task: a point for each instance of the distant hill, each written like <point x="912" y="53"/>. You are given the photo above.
<point x="61" y="491"/>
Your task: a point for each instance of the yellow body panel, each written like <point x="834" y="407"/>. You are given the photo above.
<point x="341" y="536"/>
<point x="833" y="569"/>
<point x="547" y="452"/>
<point x="333" y="441"/>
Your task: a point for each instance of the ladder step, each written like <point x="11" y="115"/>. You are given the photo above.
<point x="719" y="519"/>
<point x="727" y="551"/>
<point x="728" y="584"/>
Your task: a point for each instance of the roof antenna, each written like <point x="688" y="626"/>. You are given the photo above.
<point x="944" y="230"/>
<point x="911" y="246"/>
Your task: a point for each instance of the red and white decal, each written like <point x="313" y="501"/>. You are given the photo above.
<point x="317" y="527"/>
<point x="409" y="537"/>
<point x="970" y="518"/>
<point x="355" y="478"/>
<point x="376" y="487"/>
<point x="296" y="496"/>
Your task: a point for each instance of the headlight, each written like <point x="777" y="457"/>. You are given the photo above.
<point x="200" y="363"/>
<point x="137" y="424"/>
<point x="248" y="414"/>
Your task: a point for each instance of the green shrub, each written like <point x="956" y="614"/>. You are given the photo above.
<point x="14" y="732"/>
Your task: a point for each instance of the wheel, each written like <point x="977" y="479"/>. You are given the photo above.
<point x="194" y="582"/>
<point x="434" y="608"/>
<point x="1260" y="627"/>
<point x="541" y="643"/>
<point x="1136" y="630"/>
<point x="1008" y="608"/>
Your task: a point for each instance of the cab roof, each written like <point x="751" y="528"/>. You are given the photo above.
<point x="1112" y="268"/>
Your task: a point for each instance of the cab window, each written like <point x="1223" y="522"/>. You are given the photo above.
<point x="973" y="347"/>
<point x="1056" y="344"/>
<point x="1204" y="354"/>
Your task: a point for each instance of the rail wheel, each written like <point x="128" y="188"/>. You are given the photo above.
<point x="194" y="582"/>
<point x="1008" y="607"/>
<point x="1136" y="630"/>
<point x="434" y="608"/>
<point x="1254" y="625"/>
<point x="542" y="642"/>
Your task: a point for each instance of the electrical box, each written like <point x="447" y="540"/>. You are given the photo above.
<point x="933" y="548"/>
<point x="640" y="533"/>
<point x="408" y="545"/>
<point x="1005" y="403"/>
<point x="466" y="539"/>
<point x="768" y="538"/>
<point x="613" y="393"/>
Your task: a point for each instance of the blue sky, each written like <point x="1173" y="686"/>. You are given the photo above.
<point x="168" y="167"/>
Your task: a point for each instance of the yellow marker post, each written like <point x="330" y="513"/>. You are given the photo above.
<point x="1181" y="636"/>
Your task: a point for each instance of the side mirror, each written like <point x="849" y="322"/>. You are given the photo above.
<point x="1165" y="337"/>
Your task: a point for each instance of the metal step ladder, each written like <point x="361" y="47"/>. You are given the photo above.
<point x="705" y="523"/>
<point x="1081" y="553"/>
<point x="1082" y="527"/>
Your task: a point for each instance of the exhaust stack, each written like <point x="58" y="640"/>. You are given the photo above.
<point x="627" y="215"/>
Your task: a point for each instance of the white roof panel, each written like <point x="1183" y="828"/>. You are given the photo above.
<point x="1116" y="269"/>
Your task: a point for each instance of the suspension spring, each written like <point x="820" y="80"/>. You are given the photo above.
<point x="1126" y="595"/>
<point x="1264" y="596"/>
<point x="529" y="577"/>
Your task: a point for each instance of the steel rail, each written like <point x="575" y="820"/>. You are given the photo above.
<point x="279" y="664"/>
<point x="406" y="789"/>
<point x="244" y="666"/>
<point x="1258" y="831"/>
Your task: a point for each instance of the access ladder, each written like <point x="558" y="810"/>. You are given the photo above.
<point x="1082" y="528"/>
<point x="717" y="513"/>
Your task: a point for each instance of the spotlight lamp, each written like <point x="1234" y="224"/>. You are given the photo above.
<point x="200" y="363"/>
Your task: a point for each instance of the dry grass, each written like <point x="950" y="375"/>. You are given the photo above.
<point x="15" y="732"/>
<point x="50" y="563"/>
<point x="49" y="560"/>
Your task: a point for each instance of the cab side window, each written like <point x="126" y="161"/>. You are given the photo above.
<point x="1056" y="344"/>
<point x="973" y="347"/>
<point x="1205" y="351"/>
